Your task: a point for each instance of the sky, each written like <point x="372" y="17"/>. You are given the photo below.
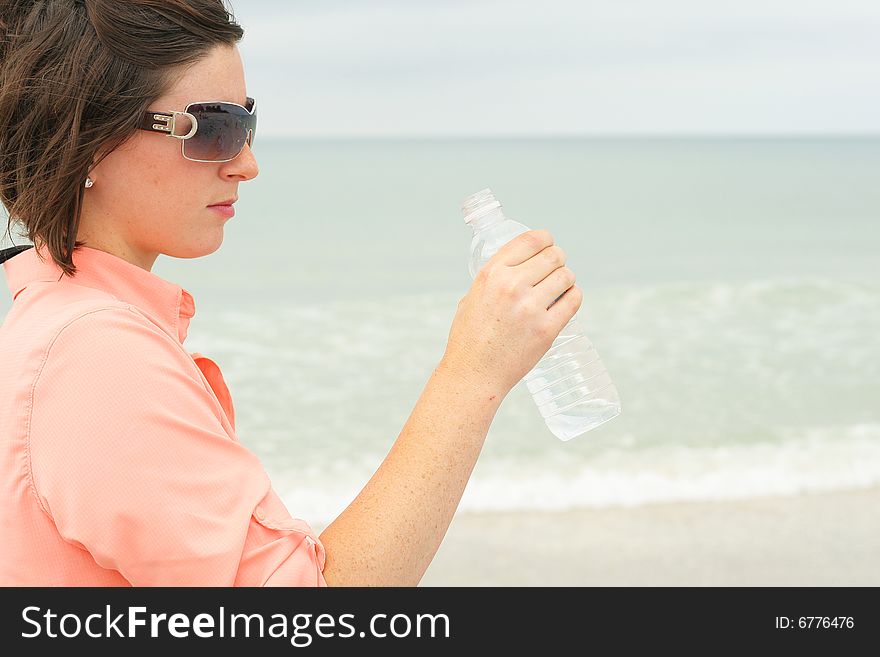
<point x="442" y="68"/>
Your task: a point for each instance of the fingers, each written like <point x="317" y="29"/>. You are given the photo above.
<point x="561" y="312"/>
<point x="554" y="285"/>
<point x="542" y="264"/>
<point x="522" y="247"/>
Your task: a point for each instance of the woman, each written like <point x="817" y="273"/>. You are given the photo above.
<point x="125" y="132"/>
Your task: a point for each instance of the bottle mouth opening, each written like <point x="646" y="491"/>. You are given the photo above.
<point x="478" y="204"/>
<point x="482" y="211"/>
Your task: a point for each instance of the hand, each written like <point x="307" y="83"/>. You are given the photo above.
<point x="508" y="319"/>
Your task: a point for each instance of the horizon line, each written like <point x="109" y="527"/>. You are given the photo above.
<point x="597" y="136"/>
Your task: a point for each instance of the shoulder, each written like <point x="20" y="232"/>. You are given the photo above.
<point x="117" y="338"/>
<point x="59" y="312"/>
<point x="111" y="372"/>
<point x="115" y="319"/>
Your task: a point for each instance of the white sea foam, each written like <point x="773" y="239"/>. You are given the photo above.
<point x="720" y="384"/>
<point x="823" y="459"/>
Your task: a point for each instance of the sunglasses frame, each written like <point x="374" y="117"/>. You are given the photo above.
<point x="166" y="123"/>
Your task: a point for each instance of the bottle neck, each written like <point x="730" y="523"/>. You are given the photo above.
<point x="490" y="218"/>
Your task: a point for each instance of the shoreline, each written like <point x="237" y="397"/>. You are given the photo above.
<point x="812" y="539"/>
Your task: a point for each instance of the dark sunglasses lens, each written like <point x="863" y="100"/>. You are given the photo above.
<point x="222" y="132"/>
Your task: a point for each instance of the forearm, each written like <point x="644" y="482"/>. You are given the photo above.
<point x="391" y="531"/>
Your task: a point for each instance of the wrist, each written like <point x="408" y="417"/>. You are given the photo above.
<point x="473" y="384"/>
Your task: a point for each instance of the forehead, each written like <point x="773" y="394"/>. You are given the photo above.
<point x="219" y="75"/>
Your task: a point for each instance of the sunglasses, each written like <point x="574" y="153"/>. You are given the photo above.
<point x="209" y="131"/>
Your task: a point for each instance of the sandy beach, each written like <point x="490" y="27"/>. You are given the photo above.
<point x="823" y="539"/>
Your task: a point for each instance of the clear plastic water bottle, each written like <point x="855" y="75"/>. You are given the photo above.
<point x="570" y="385"/>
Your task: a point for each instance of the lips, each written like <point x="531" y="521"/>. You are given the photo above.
<point x="228" y="201"/>
<point x="226" y="211"/>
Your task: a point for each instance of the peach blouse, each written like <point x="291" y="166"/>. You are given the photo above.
<point x="119" y="461"/>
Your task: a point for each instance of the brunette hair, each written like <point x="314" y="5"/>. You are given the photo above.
<point x="76" y="77"/>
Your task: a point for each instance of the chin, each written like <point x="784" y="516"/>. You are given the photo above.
<point x="198" y="250"/>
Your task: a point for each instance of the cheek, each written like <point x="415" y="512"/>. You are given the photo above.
<point x="152" y="177"/>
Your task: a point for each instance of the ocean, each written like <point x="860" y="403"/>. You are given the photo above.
<point x="731" y="287"/>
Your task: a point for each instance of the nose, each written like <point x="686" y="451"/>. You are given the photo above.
<point x="243" y="167"/>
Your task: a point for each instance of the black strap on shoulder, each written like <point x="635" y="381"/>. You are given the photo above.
<point x="6" y="254"/>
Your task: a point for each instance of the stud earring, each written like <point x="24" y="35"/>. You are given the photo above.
<point x="89" y="182"/>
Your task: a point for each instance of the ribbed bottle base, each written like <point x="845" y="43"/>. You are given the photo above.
<point x="575" y="421"/>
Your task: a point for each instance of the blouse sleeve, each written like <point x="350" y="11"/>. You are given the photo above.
<point x="129" y="457"/>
